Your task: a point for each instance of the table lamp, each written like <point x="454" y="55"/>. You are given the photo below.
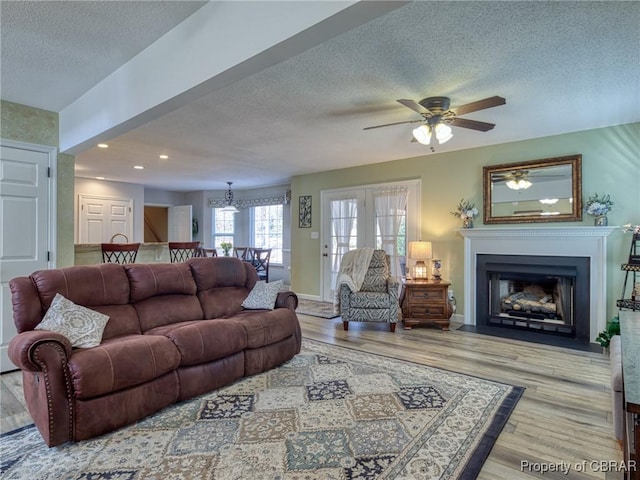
<point x="420" y="251"/>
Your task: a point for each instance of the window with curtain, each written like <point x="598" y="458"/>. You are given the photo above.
<point x="344" y="227"/>
<point x="223" y="228"/>
<point x="268" y="230"/>
<point x="384" y="216"/>
<point x="391" y="213"/>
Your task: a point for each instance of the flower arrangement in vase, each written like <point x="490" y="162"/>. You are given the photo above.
<point x="466" y="211"/>
<point x="599" y="206"/>
<point x="226" y="248"/>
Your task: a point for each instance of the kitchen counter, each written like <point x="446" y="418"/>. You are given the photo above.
<point x="151" y="252"/>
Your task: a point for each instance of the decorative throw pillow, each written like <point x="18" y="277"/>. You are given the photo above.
<point x="82" y="326"/>
<point x="263" y="295"/>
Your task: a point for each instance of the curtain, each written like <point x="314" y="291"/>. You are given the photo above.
<point x="343" y="219"/>
<point x="391" y="208"/>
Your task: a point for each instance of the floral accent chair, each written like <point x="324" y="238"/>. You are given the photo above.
<point x="377" y="299"/>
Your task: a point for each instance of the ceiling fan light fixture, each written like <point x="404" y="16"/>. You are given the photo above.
<point x="443" y="133"/>
<point x="518" y="184"/>
<point x="422" y="134"/>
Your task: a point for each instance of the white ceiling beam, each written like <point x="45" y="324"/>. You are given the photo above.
<point x="219" y="44"/>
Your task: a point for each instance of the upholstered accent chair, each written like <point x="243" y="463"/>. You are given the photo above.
<point x="377" y="299"/>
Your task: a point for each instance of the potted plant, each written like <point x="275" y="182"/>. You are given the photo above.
<point x="605" y="336"/>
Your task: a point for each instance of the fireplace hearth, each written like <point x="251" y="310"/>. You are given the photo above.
<point x="588" y="311"/>
<point x="542" y="294"/>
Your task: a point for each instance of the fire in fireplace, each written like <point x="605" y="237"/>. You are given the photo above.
<point x="542" y="294"/>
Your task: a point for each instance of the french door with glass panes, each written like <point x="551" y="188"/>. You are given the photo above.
<point x="343" y="228"/>
<point x="350" y="220"/>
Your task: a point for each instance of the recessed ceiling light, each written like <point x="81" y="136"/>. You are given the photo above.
<point x="99" y="178"/>
<point x="138" y="167"/>
<point x="164" y="157"/>
<point x="103" y="145"/>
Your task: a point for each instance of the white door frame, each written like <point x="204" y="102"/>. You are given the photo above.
<point x="367" y="237"/>
<point x="7" y="325"/>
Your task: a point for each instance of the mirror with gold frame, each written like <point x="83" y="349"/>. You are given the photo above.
<point x="546" y="190"/>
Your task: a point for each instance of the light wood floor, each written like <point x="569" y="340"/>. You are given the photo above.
<point x="563" y="416"/>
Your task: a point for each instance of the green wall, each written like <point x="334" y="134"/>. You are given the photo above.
<point x="610" y="164"/>
<point x="32" y="125"/>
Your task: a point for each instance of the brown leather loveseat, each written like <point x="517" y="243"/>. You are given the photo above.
<point x="175" y="331"/>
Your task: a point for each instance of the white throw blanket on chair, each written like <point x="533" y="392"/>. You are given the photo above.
<point x="353" y="268"/>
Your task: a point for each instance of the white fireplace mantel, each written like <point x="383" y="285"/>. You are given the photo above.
<point x="549" y="241"/>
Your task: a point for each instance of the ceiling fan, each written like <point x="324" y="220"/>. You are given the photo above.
<point x="516" y="180"/>
<point x="438" y="117"/>
<point x="522" y="179"/>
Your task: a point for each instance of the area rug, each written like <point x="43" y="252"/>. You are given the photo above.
<point x="316" y="309"/>
<point x="329" y="413"/>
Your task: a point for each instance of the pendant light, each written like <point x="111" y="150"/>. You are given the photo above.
<point x="228" y="196"/>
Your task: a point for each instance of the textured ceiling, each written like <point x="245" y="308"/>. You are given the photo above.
<point x="562" y="66"/>
<point x="54" y="51"/>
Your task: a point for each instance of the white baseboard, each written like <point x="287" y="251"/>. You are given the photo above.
<point x="306" y="296"/>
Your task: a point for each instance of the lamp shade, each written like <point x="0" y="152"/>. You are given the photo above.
<point x="229" y="208"/>
<point x="443" y="133"/>
<point x="420" y="250"/>
<point x="422" y="134"/>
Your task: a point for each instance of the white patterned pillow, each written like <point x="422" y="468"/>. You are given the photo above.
<point x="263" y="295"/>
<point x="82" y="326"/>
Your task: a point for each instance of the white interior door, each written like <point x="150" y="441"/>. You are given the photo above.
<point x="100" y="218"/>
<point x="26" y="232"/>
<point x="179" y="223"/>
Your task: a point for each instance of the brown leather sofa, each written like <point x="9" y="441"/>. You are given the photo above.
<point x="175" y="331"/>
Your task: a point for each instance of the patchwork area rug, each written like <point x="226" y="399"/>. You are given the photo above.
<point x="316" y="309"/>
<point x="329" y="413"/>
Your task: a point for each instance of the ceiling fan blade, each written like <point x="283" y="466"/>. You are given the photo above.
<point x="396" y="123"/>
<point x="479" y="105"/>
<point x="472" y="124"/>
<point x="416" y="107"/>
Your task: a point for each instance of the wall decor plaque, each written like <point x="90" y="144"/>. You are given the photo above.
<point x="304" y="214"/>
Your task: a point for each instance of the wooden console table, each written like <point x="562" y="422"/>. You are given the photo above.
<point x="425" y="301"/>
<point x="630" y="338"/>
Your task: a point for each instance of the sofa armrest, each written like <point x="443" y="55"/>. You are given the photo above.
<point x="287" y="300"/>
<point x="34" y="350"/>
<point x="48" y="390"/>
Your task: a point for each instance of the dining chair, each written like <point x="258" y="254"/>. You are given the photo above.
<point x="208" y="252"/>
<point x="260" y="258"/>
<point x="243" y="253"/>
<point x="183" y="251"/>
<point x="119" y="252"/>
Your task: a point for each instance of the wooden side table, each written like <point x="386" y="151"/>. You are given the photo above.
<point x="425" y="302"/>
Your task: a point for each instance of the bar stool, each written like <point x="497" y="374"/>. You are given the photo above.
<point x="183" y="251"/>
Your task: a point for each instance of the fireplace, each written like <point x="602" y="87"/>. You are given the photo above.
<point x="588" y="311"/>
<point x="534" y="293"/>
